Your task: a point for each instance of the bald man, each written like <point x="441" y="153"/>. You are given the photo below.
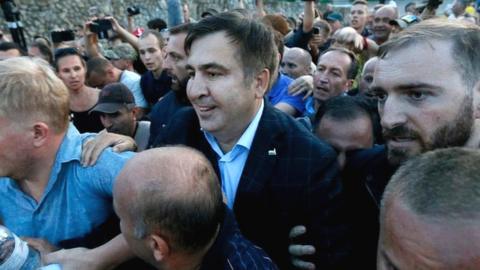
<point x="381" y="23"/>
<point x="366" y="78"/>
<point x="172" y="214"/>
<point x="296" y="62"/>
<point x="430" y="213"/>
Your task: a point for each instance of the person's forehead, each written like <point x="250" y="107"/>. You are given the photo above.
<point x="149" y="41"/>
<point x="347" y="134"/>
<point x="215" y="47"/>
<point x="176" y="43"/>
<point x="359" y="7"/>
<point x="69" y="61"/>
<point x="385" y="13"/>
<point x="293" y="56"/>
<point x="335" y="59"/>
<point x="417" y="62"/>
<point x="369" y="67"/>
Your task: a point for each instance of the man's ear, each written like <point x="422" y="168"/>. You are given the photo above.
<point x="135" y="111"/>
<point x="41" y="131"/>
<point x="350" y="83"/>
<point x="261" y="81"/>
<point x="476" y="100"/>
<point x="159" y="247"/>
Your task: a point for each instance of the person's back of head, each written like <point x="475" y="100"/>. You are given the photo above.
<point x="100" y="72"/>
<point x="277" y="22"/>
<point x="157" y="24"/>
<point x="30" y="91"/>
<point x="39" y="49"/>
<point x="430" y="210"/>
<point x="10" y="49"/>
<point x="175" y="200"/>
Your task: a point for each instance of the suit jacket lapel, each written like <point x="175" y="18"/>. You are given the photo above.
<point x="263" y="155"/>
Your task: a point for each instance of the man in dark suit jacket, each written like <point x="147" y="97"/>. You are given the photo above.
<point x="287" y="176"/>
<point x="274" y="173"/>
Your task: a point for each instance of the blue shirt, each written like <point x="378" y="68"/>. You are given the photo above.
<point x="75" y="201"/>
<point x="231" y="164"/>
<point x="279" y="93"/>
<point x="132" y="81"/>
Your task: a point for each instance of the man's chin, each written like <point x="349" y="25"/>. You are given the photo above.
<point x="398" y="155"/>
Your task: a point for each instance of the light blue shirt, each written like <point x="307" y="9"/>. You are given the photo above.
<point x="132" y="82"/>
<point x="231" y="164"/>
<point x="75" y="201"/>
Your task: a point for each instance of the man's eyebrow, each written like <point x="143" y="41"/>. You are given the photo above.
<point x="212" y="66"/>
<point x="416" y="85"/>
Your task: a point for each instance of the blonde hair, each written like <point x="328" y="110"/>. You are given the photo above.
<point x="30" y="91"/>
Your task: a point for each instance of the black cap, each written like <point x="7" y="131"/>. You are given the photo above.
<point x="113" y="97"/>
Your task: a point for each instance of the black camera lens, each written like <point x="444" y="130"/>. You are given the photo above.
<point x="316" y="30"/>
<point x="133" y="10"/>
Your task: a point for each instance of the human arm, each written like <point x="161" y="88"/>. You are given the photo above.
<point x="301" y="85"/>
<point x="107" y="256"/>
<point x="123" y="33"/>
<point x="93" y="148"/>
<point x="91" y="40"/>
<point x="286" y="108"/>
<point x="260" y="8"/>
<point x="42" y="245"/>
<point x="308" y="16"/>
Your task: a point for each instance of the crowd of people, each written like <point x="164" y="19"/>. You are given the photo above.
<point x="247" y="140"/>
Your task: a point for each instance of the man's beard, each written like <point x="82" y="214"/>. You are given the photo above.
<point x="454" y="133"/>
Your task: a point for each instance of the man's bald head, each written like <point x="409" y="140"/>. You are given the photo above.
<point x="381" y="23"/>
<point x="296" y="62"/>
<point x="173" y="190"/>
<point x="367" y="75"/>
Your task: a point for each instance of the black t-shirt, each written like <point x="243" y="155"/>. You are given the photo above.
<point x="86" y="122"/>
<point x="153" y="89"/>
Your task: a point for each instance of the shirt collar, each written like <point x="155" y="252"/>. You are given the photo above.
<point x="247" y="137"/>
<point x="71" y="147"/>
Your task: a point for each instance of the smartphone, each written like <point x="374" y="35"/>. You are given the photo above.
<point x="60" y="36"/>
<point x="101" y="27"/>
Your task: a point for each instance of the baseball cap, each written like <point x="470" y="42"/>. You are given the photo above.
<point x="405" y="21"/>
<point x="334" y="16"/>
<point x="113" y="97"/>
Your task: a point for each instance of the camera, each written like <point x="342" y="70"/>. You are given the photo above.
<point x="101" y="27"/>
<point x="133" y="10"/>
<point x="316" y="30"/>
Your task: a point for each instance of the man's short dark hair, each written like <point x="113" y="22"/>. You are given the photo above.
<point x="157" y="24"/>
<point x="342" y="108"/>
<point x="353" y="68"/>
<point x="464" y="37"/>
<point x="439" y="185"/>
<point x="256" y="46"/>
<point x="156" y="34"/>
<point x="6" y="46"/>
<point x="181" y="28"/>
<point x="97" y="65"/>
